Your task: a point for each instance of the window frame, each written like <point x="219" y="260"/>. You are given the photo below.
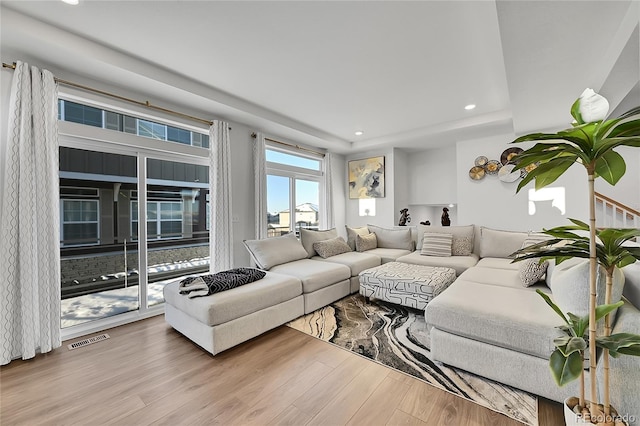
<point x="75" y="222"/>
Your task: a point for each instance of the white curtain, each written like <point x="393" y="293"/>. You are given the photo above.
<point x="329" y="215"/>
<point x="221" y="238"/>
<point x="30" y="226"/>
<point x="260" y="176"/>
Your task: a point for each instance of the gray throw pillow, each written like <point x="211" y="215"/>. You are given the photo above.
<point x="393" y="238"/>
<point x="351" y="235"/>
<point x="332" y="247"/>
<point x="310" y="236"/>
<point x="270" y="252"/>
<point x="437" y="245"/>
<point x="366" y="242"/>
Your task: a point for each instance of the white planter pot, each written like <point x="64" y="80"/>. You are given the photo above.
<point x="571" y="418"/>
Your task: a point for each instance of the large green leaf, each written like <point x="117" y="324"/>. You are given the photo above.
<point x="609" y="143"/>
<point x="575" y="111"/>
<point x="611" y="167"/>
<point x="620" y="343"/>
<point x="546" y="173"/>
<point x="602" y="310"/>
<point x="565" y="369"/>
<point x="570" y="344"/>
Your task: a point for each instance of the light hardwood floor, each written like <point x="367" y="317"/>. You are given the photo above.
<point x="147" y="373"/>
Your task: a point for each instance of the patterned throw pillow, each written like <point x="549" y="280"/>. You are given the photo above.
<point x="436" y="245"/>
<point x="531" y="271"/>
<point x="462" y="246"/>
<point x="366" y="242"/>
<point x="332" y="247"/>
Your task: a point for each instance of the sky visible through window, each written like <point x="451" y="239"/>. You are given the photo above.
<point x="278" y="186"/>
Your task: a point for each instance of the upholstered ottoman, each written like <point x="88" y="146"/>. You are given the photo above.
<point x="223" y="320"/>
<point x="405" y="284"/>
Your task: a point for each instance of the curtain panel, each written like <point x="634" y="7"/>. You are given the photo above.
<point x="30" y="228"/>
<point x="260" y="178"/>
<point x="221" y="236"/>
<point x="329" y="215"/>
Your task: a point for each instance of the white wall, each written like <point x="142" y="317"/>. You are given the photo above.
<point x="401" y="186"/>
<point x="490" y="202"/>
<point x="338" y="170"/>
<point x="433" y="176"/>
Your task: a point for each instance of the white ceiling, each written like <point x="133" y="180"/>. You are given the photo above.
<point x="316" y="72"/>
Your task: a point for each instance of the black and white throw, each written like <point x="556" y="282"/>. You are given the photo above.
<point x="205" y="285"/>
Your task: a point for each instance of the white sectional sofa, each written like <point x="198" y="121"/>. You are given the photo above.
<point x="487" y="322"/>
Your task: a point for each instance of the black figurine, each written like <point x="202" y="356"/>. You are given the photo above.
<point x="445" y="217"/>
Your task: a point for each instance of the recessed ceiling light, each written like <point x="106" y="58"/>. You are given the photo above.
<point x="73" y="2"/>
<point x="359" y="133"/>
<point x="470" y="107"/>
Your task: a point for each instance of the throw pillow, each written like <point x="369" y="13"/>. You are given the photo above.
<point x="274" y="251"/>
<point x="437" y="245"/>
<point x="332" y="247"/>
<point x="497" y="243"/>
<point x="351" y="235"/>
<point x="531" y="271"/>
<point x="393" y="238"/>
<point x="366" y="242"/>
<point x="310" y="236"/>
<point x="463" y="236"/>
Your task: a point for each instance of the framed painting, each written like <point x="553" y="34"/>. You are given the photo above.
<point x="366" y="178"/>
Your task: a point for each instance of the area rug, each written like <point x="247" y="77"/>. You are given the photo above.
<point x="397" y="337"/>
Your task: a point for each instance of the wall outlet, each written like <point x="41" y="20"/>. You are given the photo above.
<point x="235" y="218"/>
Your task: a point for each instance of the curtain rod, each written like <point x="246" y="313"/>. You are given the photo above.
<point x="146" y="104"/>
<point x="322" y="154"/>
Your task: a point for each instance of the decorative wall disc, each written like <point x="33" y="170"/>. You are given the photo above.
<point x="492" y="167"/>
<point x="506" y="173"/>
<point x="481" y="161"/>
<point x="509" y="154"/>
<point x="525" y="171"/>
<point x="476" y="172"/>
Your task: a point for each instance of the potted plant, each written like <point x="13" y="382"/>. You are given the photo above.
<point x="591" y="142"/>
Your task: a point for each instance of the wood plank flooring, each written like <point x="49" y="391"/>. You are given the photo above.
<point x="149" y="374"/>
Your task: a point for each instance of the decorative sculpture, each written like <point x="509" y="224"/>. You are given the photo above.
<point x="404" y="217"/>
<point x="445" y="217"/>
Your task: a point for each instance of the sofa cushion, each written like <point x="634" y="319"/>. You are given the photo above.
<point x="632" y="283"/>
<point x="459" y="263"/>
<point x="462" y="244"/>
<point x="497" y="243"/>
<point x="313" y="274"/>
<point x="393" y="238"/>
<point x="366" y="242"/>
<point x="436" y="244"/>
<point x="498" y="263"/>
<point x="274" y="251"/>
<point x="332" y="247"/>
<point x="513" y="318"/>
<point x="357" y="262"/>
<point x="228" y="305"/>
<point x="570" y="286"/>
<point x="498" y="277"/>
<point x="351" y="235"/>
<point x="310" y="236"/>
<point x="388" y="254"/>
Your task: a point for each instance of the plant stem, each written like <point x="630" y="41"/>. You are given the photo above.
<point x="607" y="332"/>
<point x="593" y="270"/>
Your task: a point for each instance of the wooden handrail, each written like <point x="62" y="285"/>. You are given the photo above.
<point x="618" y="204"/>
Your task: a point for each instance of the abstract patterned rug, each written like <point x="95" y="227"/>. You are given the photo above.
<point x="397" y="337"/>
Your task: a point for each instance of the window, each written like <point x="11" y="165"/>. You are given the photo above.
<point x="96" y="117"/>
<point x="164" y="219"/>
<point x="133" y="216"/>
<point x="79" y="222"/>
<point x="294" y="185"/>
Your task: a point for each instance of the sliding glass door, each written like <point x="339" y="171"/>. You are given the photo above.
<point x="98" y="251"/>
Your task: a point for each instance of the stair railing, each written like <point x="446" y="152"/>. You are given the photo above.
<point x="615" y="214"/>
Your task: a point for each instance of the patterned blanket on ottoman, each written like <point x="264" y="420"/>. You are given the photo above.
<point x="405" y="284"/>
